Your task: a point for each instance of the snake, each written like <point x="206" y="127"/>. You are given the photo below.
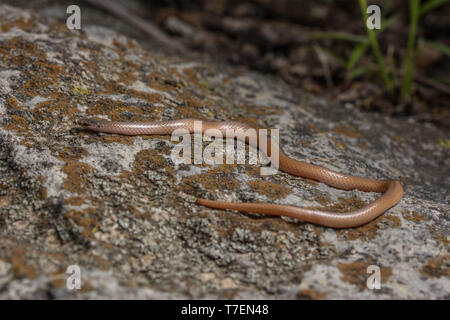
<point x="391" y="190"/>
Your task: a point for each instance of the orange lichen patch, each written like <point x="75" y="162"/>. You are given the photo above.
<point x="151" y="98"/>
<point x="127" y="77"/>
<point x="131" y="43"/>
<point x="129" y="70"/>
<point x="314" y="88"/>
<point x="12" y="103"/>
<point x="158" y="82"/>
<point x="58" y="278"/>
<point x="75" y="201"/>
<point x="113" y="109"/>
<point x="186" y="112"/>
<point x="369" y="230"/>
<point x="177" y="75"/>
<point x="20" y="267"/>
<point x="17" y="124"/>
<point x="50" y="258"/>
<point x="219" y="178"/>
<point x="27" y="142"/>
<point x="42" y="190"/>
<point x="92" y="65"/>
<point x="311" y="182"/>
<point x="190" y="101"/>
<point x="413" y="216"/>
<point x="57" y="107"/>
<point x="22" y="23"/>
<point x="35" y="85"/>
<point x="57" y="26"/>
<point x="263" y="222"/>
<point x="304" y="143"/>
<point x="344" y="205"/>
<point x="347" y="131"/>
<point x="87" y="219"/>
<point x="356" y="273"/>
<point x="42" y="75"/>
<point x="4" y="201"/>
<point x="311" y="294"/>
<point x="118" y="44"/>
<point x="318" y="231"/>
<point x="444" y="239"/>
<point x="135" y="211"/>
<point x="323" y="200"/>
<point x="76" y="180"/>
<point x="317" y="130"/>
<point x="191" y="74"/>
<point x="261" y="110"/>
<point x="251" y="222"/>
<point x="362" y="146"/>
<point x="70" y="153"/>
<point x="398" y="138"/>
<point x="117" y="138"/>
<point x="143" y="263"/>
<point x="252" y="170"/>
<point x="113" y="87"/>
<point x="136" y="113"/>
<point x="57" y="256"/>
<point x="146" y="160"/>
<point x="86" y="286"/>
<point x="17" y="49"/>
<point x="211" y="103"/>
<point x="226" y="80"/>
<point x="251" y="121"/>
<point x="437" y="267"/>
<point x="49" y="71"/>
<point x="269" y="189"/>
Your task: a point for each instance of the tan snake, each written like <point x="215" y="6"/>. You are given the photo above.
<point x="391" y="189"/>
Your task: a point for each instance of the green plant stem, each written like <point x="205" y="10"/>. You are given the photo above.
<point x="409" y="63"/>
<point x="430" y="5"/>
<point x="361" y="48"/>
<point x="339" y="36"/>
<point x="375" y="47"/>
<point x="357" y="52"/>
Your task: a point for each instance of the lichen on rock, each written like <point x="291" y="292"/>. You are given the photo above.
<point x="119" y="207"/>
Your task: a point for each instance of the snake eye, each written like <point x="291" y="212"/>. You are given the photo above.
<point x="87" y="123"/>
<point x="83" y="122"/>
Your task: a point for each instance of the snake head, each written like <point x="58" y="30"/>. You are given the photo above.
<point x="89" y="123"/>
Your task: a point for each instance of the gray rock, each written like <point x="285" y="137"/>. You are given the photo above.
<point x="120" y="209"/>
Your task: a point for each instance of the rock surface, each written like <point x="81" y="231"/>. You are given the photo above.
<point x="121" y="210"/>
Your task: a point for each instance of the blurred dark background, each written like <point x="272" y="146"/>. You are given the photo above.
<point x="316" y="45"/>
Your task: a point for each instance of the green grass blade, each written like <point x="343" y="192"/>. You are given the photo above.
<point x="331" y="54"/>
<point x="409" y="64"/>
<point x="430" y="5"/>
<point x="361" y="48"/>
<point x="375" y="46"/>
<point x="358" y="72"/>
<point x="439" y="46"/>
<point x="357" y="54"/>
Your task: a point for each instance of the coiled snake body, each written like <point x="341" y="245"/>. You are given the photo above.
<point x="391" y="189"/>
